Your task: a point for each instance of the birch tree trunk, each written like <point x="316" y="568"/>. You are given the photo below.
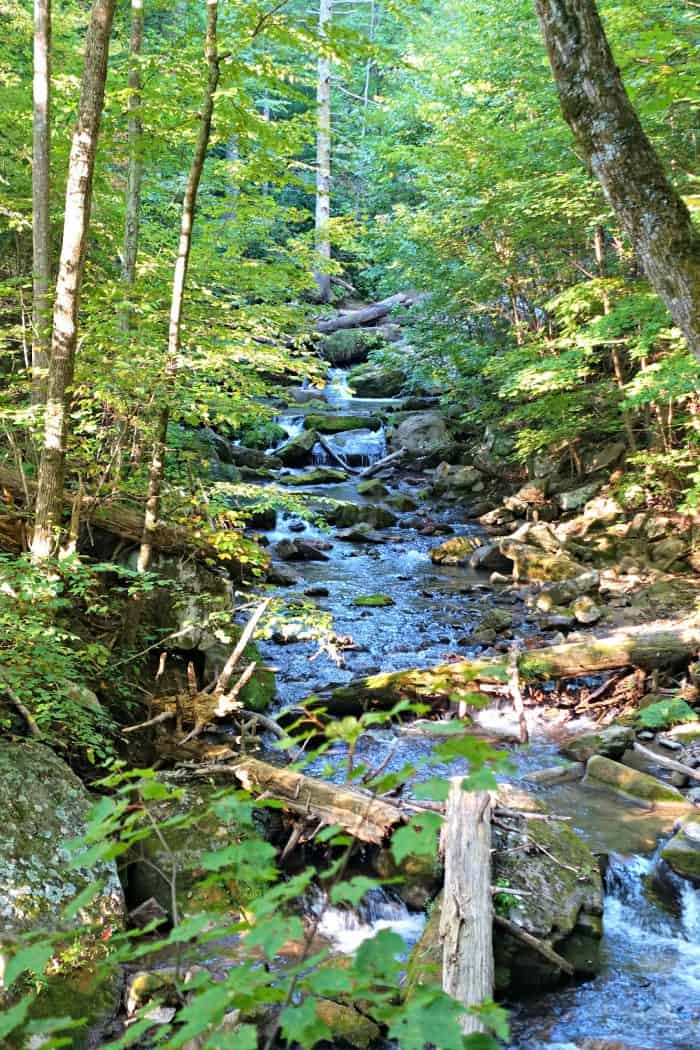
<point x="323" y="154"/>
<point x="466" y="919"/>
<point x="41" y="184"/>
<point x="81" y="166"/>
<point x="158" y="457"/>
<point x="135" y="171"/>
<point x="611" y="139"/>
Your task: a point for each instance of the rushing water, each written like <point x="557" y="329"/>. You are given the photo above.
<point x="647" y="995"/>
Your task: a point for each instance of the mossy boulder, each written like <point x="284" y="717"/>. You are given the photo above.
<point x="373" y="601"/>
<point x="682" y="853"/>
<point x="372" y="488"/>
<point x="631" y="782"/>
<point x="420" y="432"/>
<point x="374" y="380"/>
<point x="327" y="423"/>
<point x="44" y="806"/>
<point x="349" y="346"/>
<point x="402" y="503"/>
<point x="315" y="476"/>
<point x="348" y="1026"/>
<point x="344" y="515"/>
<point x="263" y="435"/>
<point x="298" y="451"/>
<point x="611" y="741"/>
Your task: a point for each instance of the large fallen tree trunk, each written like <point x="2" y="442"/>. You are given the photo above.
<point x="117" y="518"/>
<point x="665" y="644"/>
<point x="466" y="923"/>
<point x="365" y="315"/>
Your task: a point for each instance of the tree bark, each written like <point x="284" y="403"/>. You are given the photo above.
<point x="466" y="921"/>
<point x="158" y="457"/>
<point x="41" y="186"/>
<point x="132" y="215"/>
<point x="613" y="144"/>
<point x="49" y="503"/>
<point x="665" y="644"/>
<point x="323" y="154"/>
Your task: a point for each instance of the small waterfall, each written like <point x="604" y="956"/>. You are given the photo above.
<point x="359" y="448"/>
<point x="337" y="391"/>
<point x="346" y="928"/>
<point x="292" y="426"/>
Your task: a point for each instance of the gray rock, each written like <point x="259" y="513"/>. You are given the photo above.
<point x="611" y="741"/>
<point x="420" y="432"/>
<point x="300" y="550"/>
<point x="282" y="575"/>
<point x="577" y="498"/>
<point x="585" y="610"/>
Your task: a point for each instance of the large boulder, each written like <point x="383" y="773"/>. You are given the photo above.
<point x="346" y="514"/>
<point x="533" y="563"/>
<point x="611" y="741"/>
<point x="420" y="432"/>
<point x="44" y="806"/>
<point x="348" y="346"/>
<point x="455" y="551"/>
<point x="299" y="450"/>
<point x="376" y="381"/>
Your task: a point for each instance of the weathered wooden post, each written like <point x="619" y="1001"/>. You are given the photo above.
<point x="466" y="920"/>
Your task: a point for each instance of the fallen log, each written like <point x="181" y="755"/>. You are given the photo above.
<point x="365" y="315"/>
<point x="375" y="468"/>
<point x="119" y="519"/>
<point x="358" y="812"/>
<point x="667" y="763"/>
<point x="466" y="923"/>
<point x="665" y="644"/>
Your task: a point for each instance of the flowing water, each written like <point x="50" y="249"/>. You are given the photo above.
<point x="647" y="995"/>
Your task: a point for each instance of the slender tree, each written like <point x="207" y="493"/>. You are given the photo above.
<point x="49" y="501"/>
<point x="612" y="142"/>
<point x="157" y="466"/>
<point x="135" y="169"/>
<point x="41" y="185"/>
<point x="323" y="152"/>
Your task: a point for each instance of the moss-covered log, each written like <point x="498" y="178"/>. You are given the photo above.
<point x="665" y="644"/>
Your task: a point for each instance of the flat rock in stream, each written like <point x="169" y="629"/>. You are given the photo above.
<point x="361" y="533"/>
<point x="631" y="782"/>
<point x="682" y="853"/>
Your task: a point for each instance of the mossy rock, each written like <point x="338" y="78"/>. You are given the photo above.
<point x="315" y="476"/>
<point x="372" y="488"/>
<point x="631" y="782"/>
<point x="402" y="503"/>
<point x="455" y="551"/>
<point x="44" y="806"/>
<point x="371" y="380"/>
<point x="347" y="1025"/>
<point x="263" y="435"/>
<point x="351" y="345"/>
<point x="373" y="601"/>
<point x="611" y="741"/>
<point x="327" y="423"/>
<point x="682" y="853"/>
<point x="343" y="515"/>
<point x="298" y="451"/>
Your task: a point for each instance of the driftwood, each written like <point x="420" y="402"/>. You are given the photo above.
<point x="117" y="518"/>
<point x="374" y="468"/>
<point x="665" y="644"/>
<point x="466" y="926"/>
<point x="667" y="763"/>
<point x="365" y="315"/>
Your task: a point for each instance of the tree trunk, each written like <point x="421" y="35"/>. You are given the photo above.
<point x="158" y="457"/>
<point x="135" y="171"/>
<point x="466" y="922"/>
<point x="667" y="644"/>
<point x="41" y="184"/>
<point x="323" y="154"/>
<point x="611" y="140"/>
<point x="49" y="503"/>
<point x="365" y="315"/>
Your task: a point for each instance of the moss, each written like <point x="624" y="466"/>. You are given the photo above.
<point x="347" y="1025"/>
<point x="318" y="476"/>
<point x="373" y="601"/>
<point x="682" y="853"/>
<point x="327" y="423"/>
<point x="631" y="782"/>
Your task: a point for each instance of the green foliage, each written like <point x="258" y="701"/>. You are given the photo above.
<point x="666" y="713"/>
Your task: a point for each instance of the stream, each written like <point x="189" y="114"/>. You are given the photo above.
<point x="647" y="994"/>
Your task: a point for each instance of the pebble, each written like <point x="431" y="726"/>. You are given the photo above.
<point x="672" y="745"/>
